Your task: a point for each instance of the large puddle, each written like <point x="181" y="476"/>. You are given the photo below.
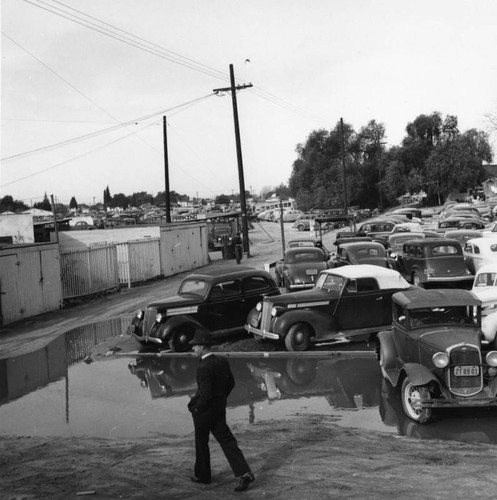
<point x="71" y="388"/>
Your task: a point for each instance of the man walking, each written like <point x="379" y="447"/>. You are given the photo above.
<point x="208" y="407"/>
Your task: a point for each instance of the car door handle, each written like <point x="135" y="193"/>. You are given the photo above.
<point x="379" y="298"/>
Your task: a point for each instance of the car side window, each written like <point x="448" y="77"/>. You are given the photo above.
<point x="367" y="285"/>
<point x="255" y="283"/>
<point x="226" y="289"/>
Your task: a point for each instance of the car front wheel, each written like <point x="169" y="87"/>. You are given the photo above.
<point x="411" y="395"/>
<point x="298" y="337"/>
<point x="180" y="339"/>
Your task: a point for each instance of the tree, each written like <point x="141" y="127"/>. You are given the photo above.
<point x="43" y="205"/>
<point x="107" y="197"/>
<point x="317" y="174"/>
<point x="73" y="204"/>
<point x="141" y="198"/>
<point x="8" y="204"/>
<point x="222" y="199"/>
<point x="119" y="200"/>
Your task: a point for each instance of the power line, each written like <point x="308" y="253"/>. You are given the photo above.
<point x="128" y="38"/>
<point x="140" y="43"/>
<point x="73" y="158"/>
<point x="103" y="131"/>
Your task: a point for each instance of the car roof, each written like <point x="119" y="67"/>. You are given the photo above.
<point x="230" y="271"/>
<point x="304" y="249"/>
<point x="488" y="268"/>
<point x="419" y="297"/>
<point x="387" y="278"/>
<point x="456" y="232"/>
<point x="433" y="242"/>
<point x="361" y="244"/>
<point x="491" y="240"/>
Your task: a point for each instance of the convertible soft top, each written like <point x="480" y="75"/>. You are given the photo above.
<point x="387" y="278"/>
<point x="419" y="297"/>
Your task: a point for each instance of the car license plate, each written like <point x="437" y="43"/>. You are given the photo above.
<point x="466" y="371"/>
<point x="311" y="272"/>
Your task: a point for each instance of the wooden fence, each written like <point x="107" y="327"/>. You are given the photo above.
<point x="29" y="281"/>
<point x="36" y="278"/>
<point x="138" y="260"/>
<point x="88" y="270"/>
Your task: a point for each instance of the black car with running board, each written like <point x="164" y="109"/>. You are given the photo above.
<point x="218" y="299"/>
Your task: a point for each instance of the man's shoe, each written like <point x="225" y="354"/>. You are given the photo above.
<point x="195" y="479"/>
<point x="245" y="480"/>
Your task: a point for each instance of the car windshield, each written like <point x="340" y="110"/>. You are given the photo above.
<point x="427" y="316"/>
<point x="330" y="282"/>
<point x="306" y="255"/>
<point x="443" y="250"/>
<point x="195" y="287"/>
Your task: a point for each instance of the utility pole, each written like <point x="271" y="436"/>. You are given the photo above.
<point x="243" y="202"/>
<point x="166" y="172"/>
<point x="345" y="203"/>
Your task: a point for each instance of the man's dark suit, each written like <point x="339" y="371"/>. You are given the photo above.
<point x="208" y="407"/>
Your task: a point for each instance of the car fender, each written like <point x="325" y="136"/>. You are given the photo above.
<point x="320" y="322"/>
<point x="171" y="324"/>
<point x="388" y="360"/>
<point x="418" y="374"/>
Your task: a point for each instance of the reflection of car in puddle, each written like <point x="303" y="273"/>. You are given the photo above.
<point x="455" y="424"/>
<point x="345" y="382"/>
<point x="166" y="377"/>
<point x="176" y="376"/>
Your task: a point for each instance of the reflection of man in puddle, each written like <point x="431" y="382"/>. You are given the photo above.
<point x="208" y="407"/>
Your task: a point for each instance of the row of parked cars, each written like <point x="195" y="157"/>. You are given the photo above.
<point x="430" y="343"/>
<point x="438" y="346"/>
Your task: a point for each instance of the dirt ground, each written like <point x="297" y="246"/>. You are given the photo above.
<point x="302" y="457"/>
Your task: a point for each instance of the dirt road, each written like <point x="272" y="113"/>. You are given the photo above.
<point x="303" y="457"/>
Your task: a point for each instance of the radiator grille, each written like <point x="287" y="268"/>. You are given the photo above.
<point x="266" y="316"/>
<point x="149" y="320"/>
<point x="465" y="355"/>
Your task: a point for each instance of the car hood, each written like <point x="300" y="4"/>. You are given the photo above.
<point x="305" y="296"/>
<point x="439" y="339"/>
<point x="176" y="301"/>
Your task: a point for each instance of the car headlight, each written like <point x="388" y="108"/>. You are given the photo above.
<point x="258" y="306"/>
<point x="492" y="358"/>
<point x="276" y="310"/>
<point x="159" y="317"/>
<point x="440" y="359"/>
<point x="139" y="314"/>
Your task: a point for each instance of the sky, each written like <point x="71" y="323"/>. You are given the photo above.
<point x="85" y="85"/>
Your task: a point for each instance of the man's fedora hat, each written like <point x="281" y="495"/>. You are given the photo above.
<point x="201" y="337"/>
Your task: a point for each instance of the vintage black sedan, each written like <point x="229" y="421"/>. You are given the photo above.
<point x="434" y="352"/>
<point x="216" y="299"/>
<point x="363" y="252"/>
<point x="434" y="262"/>
<point x="346" y="302"/>
<point x="300" y="267"/>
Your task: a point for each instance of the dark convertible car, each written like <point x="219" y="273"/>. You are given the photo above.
<point x="218" y="300"/>
<point x="346" y="302"/>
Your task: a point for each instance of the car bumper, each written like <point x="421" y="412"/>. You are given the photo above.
<point x="457" y="403"/>
<point x="448" y="279"/>
<point x="261" y="334"/>
<point x="136" y="333"/>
